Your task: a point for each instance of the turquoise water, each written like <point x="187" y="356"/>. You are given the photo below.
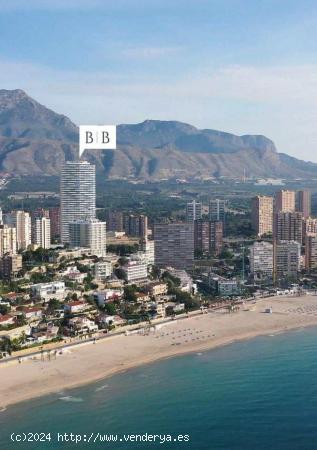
<point x="258" y="394"/>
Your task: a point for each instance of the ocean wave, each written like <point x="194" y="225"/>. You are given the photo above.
<point x="101" y="388"/>
<point x="69" y="398"/>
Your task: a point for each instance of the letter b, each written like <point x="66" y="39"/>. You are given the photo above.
<point x="105" y="137"/>
<point x="89" y="138"/>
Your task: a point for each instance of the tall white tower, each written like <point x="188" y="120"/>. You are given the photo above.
<point x="42" y="235"/>
<point x="77" y="194"/>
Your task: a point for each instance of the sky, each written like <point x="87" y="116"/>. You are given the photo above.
<point x="241" y="66"/>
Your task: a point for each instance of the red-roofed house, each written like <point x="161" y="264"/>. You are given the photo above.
<point x="6" y="319"/>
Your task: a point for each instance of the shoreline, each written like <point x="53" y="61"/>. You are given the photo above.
<point x="69" y="371"/>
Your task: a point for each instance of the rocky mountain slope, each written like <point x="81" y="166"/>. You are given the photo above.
<point x="35" y="141"/>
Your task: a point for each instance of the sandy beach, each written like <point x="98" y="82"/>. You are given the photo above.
<point x="89" y="362"/>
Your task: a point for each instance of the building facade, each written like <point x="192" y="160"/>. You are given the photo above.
<point x="311" y="252"/>
<point x="8" y="240"/>
<point x="262" y="215"/>
<point x="90" y="234"/>
<point x="217" y="210"/>
<point x="288" y="226"/>
<point x="208" y="236"/>
<point x="285" y="201"/>
<point x="174" y="245"/>
<point x="261" y="260"/>
<point x="304" y="203"/>
<point x="21" y="221"/>
<point x="286" y="259"/>
<point x="42" y="232"/>
<point x="10" y="266"/>
<point x="77" y="194"/>
<point x="193" y="211"/>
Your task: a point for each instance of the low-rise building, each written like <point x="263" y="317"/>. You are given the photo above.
<point x="135" y="271"/>
<point x="157" y="288"/>
<point x="80" y="325"/>
<point x="102" y="270"/>
<point x="108" y="320"/>
<point x="6" y="319"/>
<point x="223" y="286"/>
<point x="76" y="306"/>
<point x="33" y="312"/>
<point x="186" y="281"/>
<point x="46" y="291"/>
<point x="108" y="296"/>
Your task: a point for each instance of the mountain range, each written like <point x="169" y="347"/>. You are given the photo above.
<point x="35" y="140"/>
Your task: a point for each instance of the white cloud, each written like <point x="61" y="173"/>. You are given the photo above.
<point x="280" y="102"/>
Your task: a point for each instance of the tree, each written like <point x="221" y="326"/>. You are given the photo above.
<point x="110" y="308"/>
<point x="120" y="273"/>
<point x="129" y="294"/>
<point x="4" y="309"/>
<point x="155" y="272"/>
<point x="53" y="304"/>
<point x="5" y="345"/>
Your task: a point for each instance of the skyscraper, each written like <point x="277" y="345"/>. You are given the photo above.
<point x="8" y="240"/>
<point x="288" y="226"/>
<point x="304" y="203"/>
<point x="285" y="201"/>
<point x="193" y="211"/>
<point x="174" y="245"/>
<point x="42" y="232"/>
<point x="262" y="214"/>
<point x="286" y="259"/>
<point x="21" y="220"/>
<point x="261" y="260"/>
<point x="78" y="194"/>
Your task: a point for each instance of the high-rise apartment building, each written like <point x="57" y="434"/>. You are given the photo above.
<point x="20" y="220"/>
<point x="288" y="226"/>
<point x="114" y="221"/>
<point x="8" y="240"/>
<point x="262" y="214"/>
<point x="136" y="225"/>
<point x="309" y="227"/>
<point x="77" y="194"/>
<point x="42" y="232"/>
<point x="10" y="266"/>
<point x="304" y="203"/>
<point x="285" y="201"/>
<point x="193" y="211"/>
<point x="261" y="260"/>
<point x="55" y="218"/>
<point x="90" y="234"/>
<point x="202" y="235"/>
<point x="311" y="252"/>
<point x="217" y="211"/>
<point x="208" y="236"/>
<point x="286" y="259"/>
<point x="174" y="245"/>
<point x="216" y="237"/>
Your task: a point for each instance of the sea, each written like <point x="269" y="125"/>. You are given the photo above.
<point x="250" y="395"/>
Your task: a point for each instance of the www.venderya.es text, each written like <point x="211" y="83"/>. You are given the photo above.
<point x="98" y="437"/>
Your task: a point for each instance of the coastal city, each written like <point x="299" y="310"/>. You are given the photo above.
<point x="68" y="276"/>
